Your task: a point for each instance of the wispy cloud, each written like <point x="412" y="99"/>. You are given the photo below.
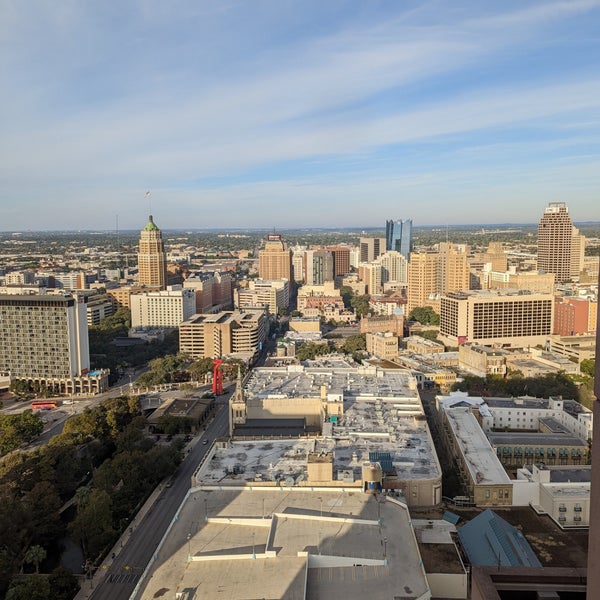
<point x="143" y="97"/>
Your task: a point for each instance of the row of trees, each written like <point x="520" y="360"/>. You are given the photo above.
<point x="16" y="430"/>
<point x="354" y="345"/>
<point x="104" y="461"/>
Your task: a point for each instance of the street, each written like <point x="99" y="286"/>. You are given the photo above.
<point x="118" y="580"/>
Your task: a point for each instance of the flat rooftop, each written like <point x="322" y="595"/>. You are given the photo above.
<point x="481" y="460"/>
<point x="518" y="438"/>
<point x="260" y="543"/>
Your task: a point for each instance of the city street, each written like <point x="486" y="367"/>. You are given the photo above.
<point x="117" y="578"/>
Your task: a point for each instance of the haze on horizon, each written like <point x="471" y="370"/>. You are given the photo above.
<point x="335" y="114"/>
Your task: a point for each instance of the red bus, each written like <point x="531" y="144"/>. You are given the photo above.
<point x="44" y="404"/>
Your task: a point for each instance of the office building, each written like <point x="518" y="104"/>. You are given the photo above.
<point x="214" y="291"/>
<point x="382" y="345"/>
<point x="152" y="259"/>
<point x="269" y="295"/>
<point x="532" y="281"/>
<point x="370" y="275"/>
<point x="318" y="267"/>
<point x="341" y="259"/>
<point x="398" y="236"/>
<point x="370" y="248"/>
<point x="44" y="341"/>
<point x="275" y="260"/>
<point x="574" y="316"/>
<point x="488" y="318"/>
<point x="165" y="308"/>
<point x="229" y="332"/>
<point x="394" y="268"/>
<point x="561" y="248"/>
<point x="431" y="274"/>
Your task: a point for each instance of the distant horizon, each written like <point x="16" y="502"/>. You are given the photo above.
<point x="440" y="226"/>
<point x="313" y="111"/>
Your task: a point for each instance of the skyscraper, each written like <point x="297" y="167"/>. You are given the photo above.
<point x="371" y="248"/>
<point x="275" y="260"/>
<point x="398" y="236"/>
<point x="560" y="245"/>
<point x="152" y="259"/>
<point x="44" y="339"/>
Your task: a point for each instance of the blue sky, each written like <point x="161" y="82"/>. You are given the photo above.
<point x="281" y="113"/>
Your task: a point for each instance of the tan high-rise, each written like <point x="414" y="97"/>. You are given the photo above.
<point x="433" y="273"/>
<point x="275" y="260"/>
<point x="152" y="259"/>
<point x="560" y="245"/>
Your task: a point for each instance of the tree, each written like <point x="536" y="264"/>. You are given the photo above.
<point x="360" y="304"/>
<point x="30" y="587"/>
<point x="199" y="368"/>
<point x="310" y="350"/>
<point x="425" y="315"/>
<point x="35" y="555"/>
<point x="355" y="343"/>
<point x="63" y="583"/>
<point x="347" y="293"/>
<point x="588" y="366"/>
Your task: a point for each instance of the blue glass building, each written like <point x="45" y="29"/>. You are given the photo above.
<point x="398" y="236"/>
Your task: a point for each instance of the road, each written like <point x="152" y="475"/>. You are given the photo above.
<point x="119" y="581"/>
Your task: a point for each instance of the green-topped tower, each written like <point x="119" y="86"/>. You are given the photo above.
<point x="152" y="259"/>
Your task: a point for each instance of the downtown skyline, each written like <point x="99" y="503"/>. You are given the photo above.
<point x="238" y="115"/>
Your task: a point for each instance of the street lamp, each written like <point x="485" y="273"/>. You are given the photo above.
<point x="205" y="510"/>
<point x="189" y="538"/>
<point x="385" y="549"/>
<point x="253" y="547"/>
<point x="263" y="508"/>
<point x="321" y="500"/>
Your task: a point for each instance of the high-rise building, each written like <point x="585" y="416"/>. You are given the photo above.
<point x="433" y="273"/>
<point x="341" y="259"/>
<point x="398" y="236"/>
<point x="371" y="248"/>
<point x="491" y="318"/>
<point x="275" y="260"/>
<point x="164" y="308"/>
<point x="318" y="267"/>
<point x="230" y="332"/>
<point x="561" y="247"/>
<point x="43" y="337"/>
<point x="152" y="259"/>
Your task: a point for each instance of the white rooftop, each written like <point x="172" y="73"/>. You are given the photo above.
<point x="481" y="460"/>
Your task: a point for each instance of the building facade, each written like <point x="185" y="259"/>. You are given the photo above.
<point x="224" y="333"/>
<point x="494" y="318"/>
<point x="166" y="308"/>
<point x="398" y="236"/>
<point x="561" y="247"/>
<point x="152" y="259"/>
<point x="275" y="260"/>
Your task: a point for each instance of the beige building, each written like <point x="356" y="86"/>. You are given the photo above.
<point x="307" y="324"/>
<point x="224" y="333"/>
<point x="165" y="308"/>
<point x="371" y="248"/>
<point x="152" y="259"/>
<point x="121" y="296"/>
<point x="533" y="281"/>
<point x="561" y="248"/>
<point x="370" y="275"/>
<point x="431" y="274"/>
<point x="275" y="260"/>
<point x="484" y="479"/>
<point x="482" y="360"/>
<point x="420" y="345"/>
<point x="375" y="434"/>
<point x="382" y="345"/>
<point x="492" y="318"/>
<point x="260" y="293"/>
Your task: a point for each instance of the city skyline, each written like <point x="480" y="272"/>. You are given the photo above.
<point x="268" y="115"/>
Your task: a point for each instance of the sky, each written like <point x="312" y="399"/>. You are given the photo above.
<point x="296" y="113"/>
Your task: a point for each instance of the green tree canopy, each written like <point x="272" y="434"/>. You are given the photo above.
<point x="588" y="366"/>
<point x="424" y="315"/>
